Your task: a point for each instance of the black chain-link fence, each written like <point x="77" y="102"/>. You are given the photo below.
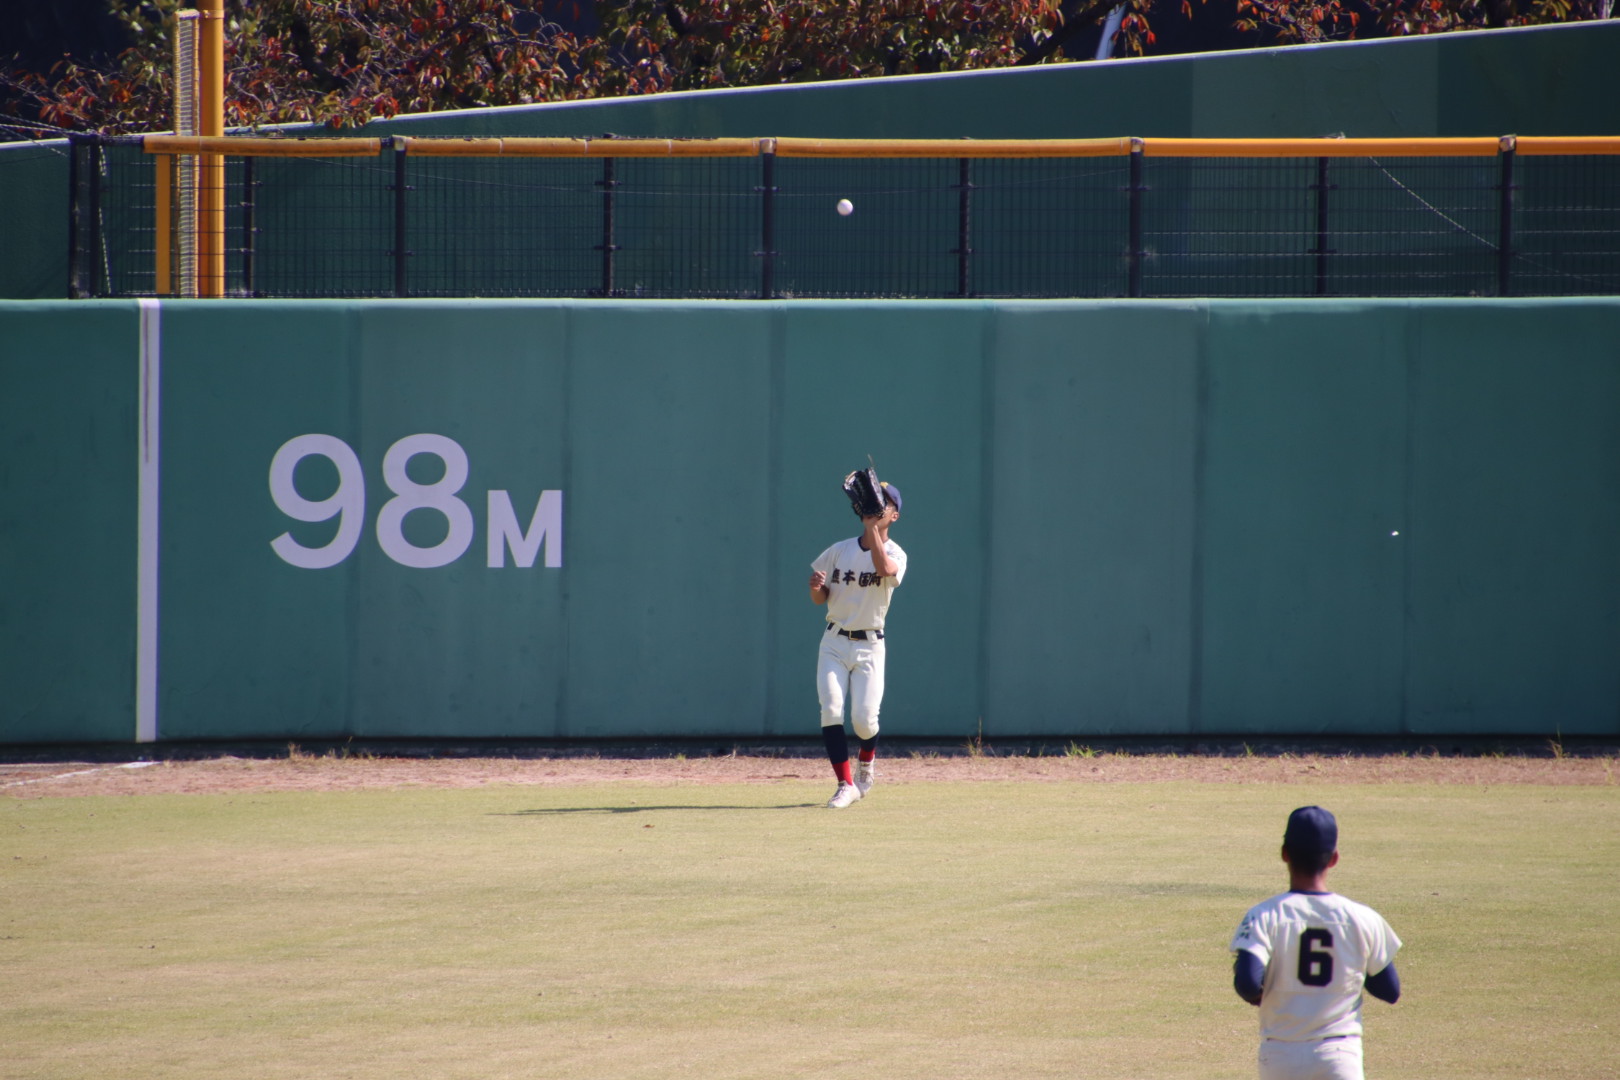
<point x="762" y="224"/>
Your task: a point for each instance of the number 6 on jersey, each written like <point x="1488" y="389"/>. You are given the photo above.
<point x="1315" y="965"/>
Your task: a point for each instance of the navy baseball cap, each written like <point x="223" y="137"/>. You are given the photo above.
<point x="1311" y="831"/>
<point x="893" y="493"/>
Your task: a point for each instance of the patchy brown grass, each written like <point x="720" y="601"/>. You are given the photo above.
<point x="342" y="769"/>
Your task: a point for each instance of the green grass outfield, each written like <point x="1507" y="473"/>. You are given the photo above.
<point x="936" y="930"/>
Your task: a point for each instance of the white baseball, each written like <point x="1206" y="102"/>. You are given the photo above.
<point x="845" y="207"/>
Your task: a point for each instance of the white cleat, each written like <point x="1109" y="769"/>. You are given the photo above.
<point x="846" y="794"/>
<point x="865" y="773"/>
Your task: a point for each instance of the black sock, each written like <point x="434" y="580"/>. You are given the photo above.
<point x="837" y="743"/>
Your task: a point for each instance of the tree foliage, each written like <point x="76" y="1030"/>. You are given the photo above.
<point x="700" y="44"/>
<point x="339" y="62"/>
<point x="1302" y="21"/>
<point x="345" y="62"/>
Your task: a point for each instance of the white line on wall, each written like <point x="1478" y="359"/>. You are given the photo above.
<point x="146" y="602"/>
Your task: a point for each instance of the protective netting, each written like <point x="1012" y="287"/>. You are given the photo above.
<point x="932" y="227"/>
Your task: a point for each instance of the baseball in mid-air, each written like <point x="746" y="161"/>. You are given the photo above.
<point x="845" y="207"/>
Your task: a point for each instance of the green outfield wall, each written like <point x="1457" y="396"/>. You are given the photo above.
<point x="69" y="459"/>
<point x="1552" y="80"/>
<point x="579" y="519"/>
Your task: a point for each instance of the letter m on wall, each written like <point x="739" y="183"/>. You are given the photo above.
<point x="505" y="533"/>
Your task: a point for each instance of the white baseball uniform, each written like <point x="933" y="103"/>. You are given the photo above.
<point x="849" y="667"/>
<point x="1318" y="949"/>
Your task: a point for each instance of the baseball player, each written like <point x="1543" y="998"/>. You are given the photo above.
<point x="855" y="579"/>
<point x="1304" y="957"/>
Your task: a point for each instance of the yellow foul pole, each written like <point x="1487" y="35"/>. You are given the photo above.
<point x="211" y="189"/>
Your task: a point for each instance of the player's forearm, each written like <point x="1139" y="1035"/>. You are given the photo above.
<point x="819" y="595"/>
<point x="875" y="540"/>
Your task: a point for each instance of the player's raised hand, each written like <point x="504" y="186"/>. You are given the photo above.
<point x="880" y="521"/>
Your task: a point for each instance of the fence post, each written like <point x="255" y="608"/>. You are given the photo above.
<point x="163" y="224"/>
<point x="1133" y="255"/>
<point x="767" y="253"/>
<point x="1322" y="188"/>
<point x="75" y="218"/>
<point x="1504" y="220"/>
<point x="964" y="227"/>
<point x="399" y="143"/>
<point x="608" y="247"/>
<point x="97" y="285"/>
<point x="248" y="184"/>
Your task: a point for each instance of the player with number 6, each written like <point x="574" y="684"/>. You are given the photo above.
<point x="1304" y="957"/>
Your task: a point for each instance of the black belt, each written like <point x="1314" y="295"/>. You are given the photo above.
<point x="859" y="635"/>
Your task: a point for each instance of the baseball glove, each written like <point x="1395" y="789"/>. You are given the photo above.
<point x="865" y="493"/>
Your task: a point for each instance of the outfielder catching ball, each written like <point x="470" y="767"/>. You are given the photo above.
<point x="1304" y="957"/>
<point x="855" y="579"/>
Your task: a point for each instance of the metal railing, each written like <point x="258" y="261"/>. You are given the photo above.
<point x="761" y="218"/>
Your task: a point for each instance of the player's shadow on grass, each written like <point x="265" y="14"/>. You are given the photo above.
<point x="644" y="809"/>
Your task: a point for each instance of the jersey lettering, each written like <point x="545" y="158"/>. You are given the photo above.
<point x="1315" y="965"/>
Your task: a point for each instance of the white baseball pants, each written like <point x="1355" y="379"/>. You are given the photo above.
<point x="850" y="670"/>
<point x="1322" y="1059"/>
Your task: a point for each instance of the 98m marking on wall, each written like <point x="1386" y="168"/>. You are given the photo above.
<point x="348" y="505"/>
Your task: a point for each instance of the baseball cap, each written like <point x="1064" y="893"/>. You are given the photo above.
<point x="1311" y="831"/>
<point x="893" y="493"/>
